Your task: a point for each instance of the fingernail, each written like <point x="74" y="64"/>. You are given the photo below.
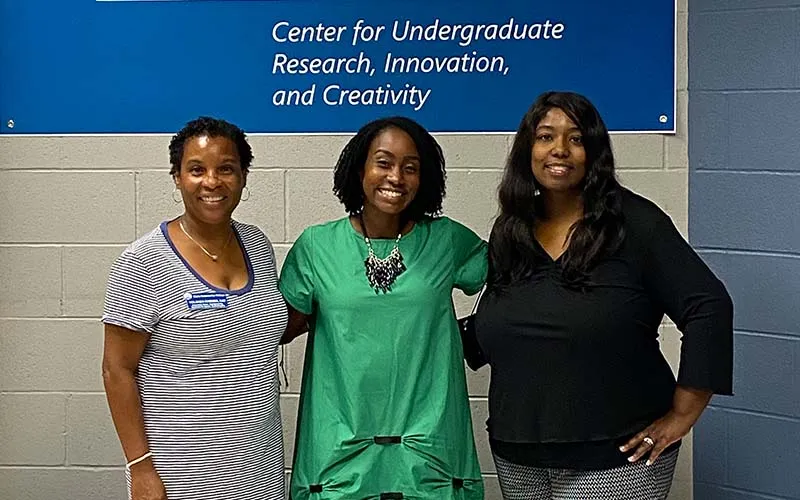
<point x="648" y="462"/>
<point x="621" y="448"/>
<point x="630" y="459"/>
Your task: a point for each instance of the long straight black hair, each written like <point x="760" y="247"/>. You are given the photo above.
<point x="599" y="232"/>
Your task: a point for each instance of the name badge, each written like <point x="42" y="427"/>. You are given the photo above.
<point x="207" y="300"/>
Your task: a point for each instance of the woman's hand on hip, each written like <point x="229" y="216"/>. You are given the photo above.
<point x="687" y="406"/>
<point x="657" y="437"/>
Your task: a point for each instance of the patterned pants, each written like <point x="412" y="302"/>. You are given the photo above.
<point x="629" y="482"/>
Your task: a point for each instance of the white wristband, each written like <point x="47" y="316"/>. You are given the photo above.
<point x="136" y="461"/>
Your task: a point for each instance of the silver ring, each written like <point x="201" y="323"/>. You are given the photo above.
<point x="649" y="440"/>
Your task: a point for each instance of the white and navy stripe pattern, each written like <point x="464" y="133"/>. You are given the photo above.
<point x="208" y="378"/>
<point x="636" y="481"/>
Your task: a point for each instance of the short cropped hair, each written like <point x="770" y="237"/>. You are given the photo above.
<point x="211" y="127"/>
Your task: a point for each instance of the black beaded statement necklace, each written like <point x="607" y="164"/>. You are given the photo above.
<point x="381" y="273"/>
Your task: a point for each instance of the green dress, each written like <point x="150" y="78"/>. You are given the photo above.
<point x="384" y="411"/>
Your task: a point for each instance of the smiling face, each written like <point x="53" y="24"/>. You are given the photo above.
<point x="558" y="156"/>
<point x="211" y="179"/>
<point x="391" y="174"/>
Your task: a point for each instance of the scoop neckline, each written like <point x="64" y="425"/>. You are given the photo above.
<point x="250" y="274"/>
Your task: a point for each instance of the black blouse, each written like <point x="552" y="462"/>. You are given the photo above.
<point x="584" y="366"/>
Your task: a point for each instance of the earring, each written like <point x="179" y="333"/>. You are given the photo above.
<point x="247" y="191"/>
<point x="536" y="192"/>
<point x="179" y="198"/>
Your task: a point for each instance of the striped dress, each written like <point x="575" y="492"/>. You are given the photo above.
<point x="208" y="377"/>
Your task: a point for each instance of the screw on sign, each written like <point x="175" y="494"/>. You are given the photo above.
<point x="663" y="118"/>
<point x="10" y="124"/>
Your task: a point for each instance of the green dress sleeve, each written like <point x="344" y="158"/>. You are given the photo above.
<point x="470" y="259"/>
<point x="297" y="279"/>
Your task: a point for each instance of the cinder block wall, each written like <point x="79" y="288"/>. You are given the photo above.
<point x="69" y="205"/>
<point x="744" y="206"/>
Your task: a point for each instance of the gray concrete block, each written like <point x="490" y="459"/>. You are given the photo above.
<point x="154" y="202"/>
<point x="309" y="200"/>
<point x="67" y="207"/>
<point x="50" y="355"/>
<point x="85" y="275"/>
<point x="491" y="487"/>
<point x="668" y="189"/>
<point x="39" y="483"/>
<point x="289" y="404"/>
<point x="681" y="490"/>
<point x="31" y="278"/>
<point x="295" y="354"/>
<point x="33" y="429"/>
<point x="75" y="152"/>
<point x="478" y="381"/>
<point x="638" y="151"/>
<point x="91" y="438"/>
<point x="472" y="198"/>
<point x="480" y="412"/>
<point x="264" y="208"/>
<point x="297" y="151"/>
<point x="670" y="341"/>
<point x="682" y="481"/>
<point x="463" y="303"/>
<point x="474" y="151"/>
<point x="682" y="50"/>
<point x="281" y="249"/>
<point x="676" y="154"/>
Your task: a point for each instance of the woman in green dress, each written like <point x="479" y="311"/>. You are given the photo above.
<point x="384" y="412"/>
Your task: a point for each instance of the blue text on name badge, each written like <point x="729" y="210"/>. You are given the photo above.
<point x="208" y="300"/>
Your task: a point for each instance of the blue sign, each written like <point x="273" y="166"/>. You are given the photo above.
<point x="323" y="66"/>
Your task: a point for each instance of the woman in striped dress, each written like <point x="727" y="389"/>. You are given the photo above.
<point x="193" y="318"/>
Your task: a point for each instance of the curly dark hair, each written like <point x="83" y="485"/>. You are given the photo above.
<point x="211" y="127"/>
<point x="347" y="173"/>
<point x="599" y="232"/>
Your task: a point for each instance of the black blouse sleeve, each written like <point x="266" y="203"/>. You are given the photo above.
<point x="696" y="301"/>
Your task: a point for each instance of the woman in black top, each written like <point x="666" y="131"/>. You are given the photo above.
<point x="582" y="404"/>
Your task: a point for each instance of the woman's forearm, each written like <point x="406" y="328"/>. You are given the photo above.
<point x="296" y="325"/>
<point x="689" y="403"/>
<point x="122" y="393"/>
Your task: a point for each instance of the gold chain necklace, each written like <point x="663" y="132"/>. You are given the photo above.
<point x="211" y="256"/>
